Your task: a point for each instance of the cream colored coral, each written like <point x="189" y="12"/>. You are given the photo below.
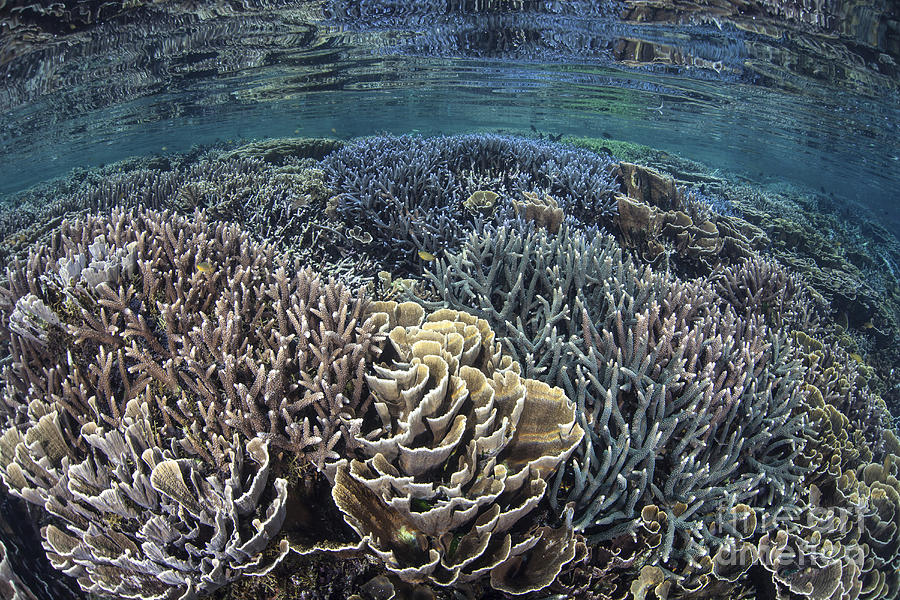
<point x="459" y="453"/>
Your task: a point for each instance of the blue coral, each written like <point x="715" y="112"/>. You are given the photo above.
<point x="409" y="191"/>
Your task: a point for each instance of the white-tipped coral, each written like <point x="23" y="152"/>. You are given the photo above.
<point x="134" y="520"/>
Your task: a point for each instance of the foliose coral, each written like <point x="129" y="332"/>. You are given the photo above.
<point x="847" y="536"/>
<point x="670" y="227"/>
<point x="458" y="457"/>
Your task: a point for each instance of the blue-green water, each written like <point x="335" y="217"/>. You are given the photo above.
<point x="767" y="110"/>
<point x="359" y="138"/>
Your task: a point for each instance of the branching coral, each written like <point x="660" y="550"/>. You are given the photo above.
<point x="282" y="204"/>
<point x="562" y="419"/>
<point x="223" y="341"/>
<point x="763" y="287"/>
<point x="458" y="457"/>
<point x="411" y="191"/>
<point x="155" y="364"/>
<point x="687" y="406"/>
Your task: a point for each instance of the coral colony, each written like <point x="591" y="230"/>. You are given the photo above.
<point x="570" y="379"/>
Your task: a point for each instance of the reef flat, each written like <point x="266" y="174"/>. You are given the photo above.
<point x="474" y="366"/>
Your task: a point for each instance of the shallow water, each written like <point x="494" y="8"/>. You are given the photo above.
<point x="775" y="119"/>
<point x="795" y="104"/>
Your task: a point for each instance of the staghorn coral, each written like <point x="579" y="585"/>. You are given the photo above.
<point x="410" y="192"/>
<point x="458" y="456"/>
<point x="687" y="406"/>
<point x="226" y="342"/>
<point x="762" y="286"/>
<point x="143" y="404"/>
<point x="282" y="203"/>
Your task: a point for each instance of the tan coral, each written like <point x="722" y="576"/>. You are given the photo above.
<point x="816" y="555"/>
<point x="647" y="185"/>
<point x="459" y="453"/>
<point x="483" y="202"/>
<point x="644" y="226"/>
<point x="543" y="211"/>
<point x="874" y="488"/>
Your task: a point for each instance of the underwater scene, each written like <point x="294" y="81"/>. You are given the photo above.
<point x="449" y="299"/>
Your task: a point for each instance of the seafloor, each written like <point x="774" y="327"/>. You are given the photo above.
<point x="475" y="366"/>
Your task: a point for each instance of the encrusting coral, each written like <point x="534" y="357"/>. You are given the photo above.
<point x="458" y="457"/>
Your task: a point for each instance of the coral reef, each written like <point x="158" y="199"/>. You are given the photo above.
<point x="140" y="522"/>
<point x="162" y="304"/>
<point x="182" y="355"/>
<point x="276" y="191"/>
<point x="672" y="385"/>
<point x="552" y="412"/>
<point x="282" y="151"/>
<point x="459" y="457"/>
<point x="849" y="259"/>
<point x="411" y="192"/>
<point x="851" y="501"/>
